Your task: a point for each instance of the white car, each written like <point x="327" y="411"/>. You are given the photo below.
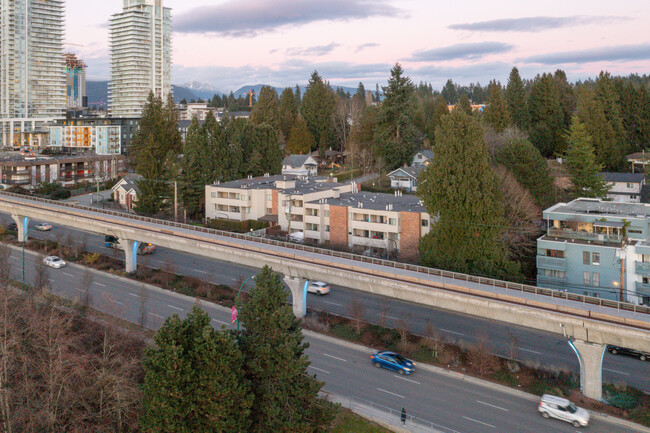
<point x="561" y="408"/>
<point x="54" y="262"/>
<point x="43" y="227"/>
<point x="318" y="287"/>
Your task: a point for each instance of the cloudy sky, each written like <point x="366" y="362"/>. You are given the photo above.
<point x="231" y="43"/>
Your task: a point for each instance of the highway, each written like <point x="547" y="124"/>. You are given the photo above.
<point x="453" y="405"/>
<point x="532" y="345"/>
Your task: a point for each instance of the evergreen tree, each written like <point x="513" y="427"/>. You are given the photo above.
<point x="361" y="91"/>
<point x="546" y="116"/>
<point x="450" y="92"/>
<point x="529" y="168"/>
<point x="300" y="142"/>
<point x="194" y="166"/>
<point x="460" y="187"/>
<point x="317" y="107"/>
<point x="581" y="163"/>
<point x="607" y="97"/>
<point x="440" y="110"/>
<point x="194" y="380"/>
<point x="286" y="396"/>
<point x="608" y="148"/>
<point x="266" y="108"/>
<point x="287" y="111"/>
<point x="266" y="156"/>
<point x="298" y="95"/>
<point x="395" y="129"/>
<point x="496" y="112"/>
<point x="154" y="152"/>
<point x="517" y="103"/>
<point x="567" y="96"/>
<point x="464" y="105"/>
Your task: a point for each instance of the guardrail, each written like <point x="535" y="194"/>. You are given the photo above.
<point x="516" y="287"/>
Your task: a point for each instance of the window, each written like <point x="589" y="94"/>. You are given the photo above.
<point x="552" y="273"/>
<point x="595" y="279"/>
<point x="425" y="223"/>
<point x="269" y="197"/>
<point x="327" y="228"/>
<point x="595" y="259"/>
<point x="585" y="258"/>
<point x="269" y="210"/>
<point x="630" y="185"/>
<point x="392" y="221"/>
<point x="213" y="195"/>
<point x="634" y="232"/>
<point x="586" y="278"/>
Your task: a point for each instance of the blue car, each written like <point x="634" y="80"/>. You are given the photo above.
<point x="392" y="361"/>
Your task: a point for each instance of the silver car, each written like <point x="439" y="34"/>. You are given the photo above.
<point x="54" y="262"/>
<point x="318" y="287"/>
<point x="551" y="406"/>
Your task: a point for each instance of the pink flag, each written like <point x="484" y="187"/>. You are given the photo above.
<point x="234" y="314"/>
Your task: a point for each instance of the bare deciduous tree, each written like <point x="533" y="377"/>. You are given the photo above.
<point x="480" y="357"/>
<point x="357" y="312"/>
<point x="403" y="327"/>
<point x="434" y="340"/>
<point x="41" y="274"/>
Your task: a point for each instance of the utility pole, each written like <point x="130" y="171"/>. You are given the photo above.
<point x="175" y="201"/>
<point x="622" y="296"/>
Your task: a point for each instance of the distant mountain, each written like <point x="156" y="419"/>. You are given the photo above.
<point x="202" y="90"/>
<point x="257" y="87"/>
<point x="97" y="92"/>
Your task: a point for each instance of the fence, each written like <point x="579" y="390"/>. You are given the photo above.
<point x="515" y="287"/>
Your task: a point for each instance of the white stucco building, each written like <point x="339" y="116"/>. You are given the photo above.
<point x="32" y="70"/>
<point x="140" y="56"/>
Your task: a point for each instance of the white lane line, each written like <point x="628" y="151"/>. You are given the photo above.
<point x="14" y="258"/>
<point x="335" y="357"/>
<point x="133" y="294"/>
<point x="115" y="302"/>
<point x="391" y="393"/>
<point x="616" y="371"/>
<point x="200" y="271"/>
<point x="491" y="405"/>
<point x="404" y="378"/>
<point x="175" y="308"/>
<point x="220" y="322"/>
<point x="480" y="422"/>
<point x="531" y="351"/>
<point x="82" y="291"/>
<point x="450" y="332"/>
<point x="318" y="369"/>
<point x="156" y="315"/>
<point x="332" y="303"/>
<point x="99" y="284"/>
<point x="69" y="275"/>
<point x="392" y="317"/>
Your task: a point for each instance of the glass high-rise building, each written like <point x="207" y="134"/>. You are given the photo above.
<point x="140" y="56"/>
<point x="32" y="70"/>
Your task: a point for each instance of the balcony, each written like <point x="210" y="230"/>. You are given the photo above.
<point x="556" y="263"/>
<point x="584" y="236"/>
<point x="369" y="242"/>
<point x="643" y="268"/>
<point x="642" y="289"/>
<point x="543" y="280"/>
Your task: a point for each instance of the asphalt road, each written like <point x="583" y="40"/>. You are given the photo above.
<point x="453" y="405"/>
<point x="535" y="347"/>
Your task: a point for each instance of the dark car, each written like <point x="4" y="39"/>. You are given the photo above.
<point x="392" y="361"/>
<point x="616" y="350"/>
<point x="12" y="227"/>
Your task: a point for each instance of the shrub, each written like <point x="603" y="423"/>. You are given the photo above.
<point x="61" y="194"/>
<point x="90" y="258"/>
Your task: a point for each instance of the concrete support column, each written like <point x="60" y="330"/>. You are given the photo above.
<point x="590" y="356"/>
<point x="22" y="222"/>
<point x="130" y="254"/>
<point x="298" y="287"/>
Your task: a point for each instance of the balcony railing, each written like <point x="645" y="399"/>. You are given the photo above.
<point x="584" y="236"/>
<point x="556" y="263"/>
<point x="642" y="289"/>
<point x="545" y="279"/>
<point x="643" y="268"/>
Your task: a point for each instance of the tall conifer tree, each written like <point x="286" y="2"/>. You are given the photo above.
<point x="287" y="111"/>
<point x="546" y="116"/>
<point x="265" y="110"/>
<point x="496" y="112"/>
<point x="517" y="101"/>
<point x="317" y="107"/>
<point x="581" y="163"/>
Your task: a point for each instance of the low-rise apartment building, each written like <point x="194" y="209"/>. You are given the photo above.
<point x="624" y="187"/>
<point x="68" y="171"/>
<point x="597" y="248"/>
<point x="102" y="136"/>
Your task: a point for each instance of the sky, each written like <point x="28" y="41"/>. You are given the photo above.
<point x="231" y="43"/>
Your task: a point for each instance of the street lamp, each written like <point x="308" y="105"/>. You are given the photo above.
<point x="24" y="238"/>
<point x="234" y="307"/>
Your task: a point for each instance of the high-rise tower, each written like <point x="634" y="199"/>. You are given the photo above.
<point x="32" y="69"/>
<point x="75" y="82"/>
<point x="140" y="56"/>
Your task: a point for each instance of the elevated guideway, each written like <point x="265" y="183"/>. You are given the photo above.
<point x="589" y="324"/>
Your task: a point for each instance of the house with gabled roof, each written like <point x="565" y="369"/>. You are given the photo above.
<point x="299" y="165"/>
<point x="406" y="178"/>
<point x="423" y="157"/>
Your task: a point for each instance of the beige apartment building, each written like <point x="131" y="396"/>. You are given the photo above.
<point x="323" y="212"/>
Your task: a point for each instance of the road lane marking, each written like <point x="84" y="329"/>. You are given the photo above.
<point x="200" y="271"/>
<point x="531" y="351"/>
<point x="156" y="315"/>
<point x="175" y="308"/>
<point x="69" y="275"/>
<point x="335" y="357"/>
<point x="133" y="294"/>
<point x="480" y="422"/>
<point x="616" y="371"/>
<point x="115" y="302"/>
<point x="491" y="405"/>
<point x="99" y="284"/>
<point x="404" y="378"/>
<point x="219" y="321"/>
<point x="332" y="303"/>
<point x="451" y="332"/>
<point x="82" y="291"/>
<point x="391" y="393"/>
<point x="392" y="317"/>
<point x="318" y="369"/>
